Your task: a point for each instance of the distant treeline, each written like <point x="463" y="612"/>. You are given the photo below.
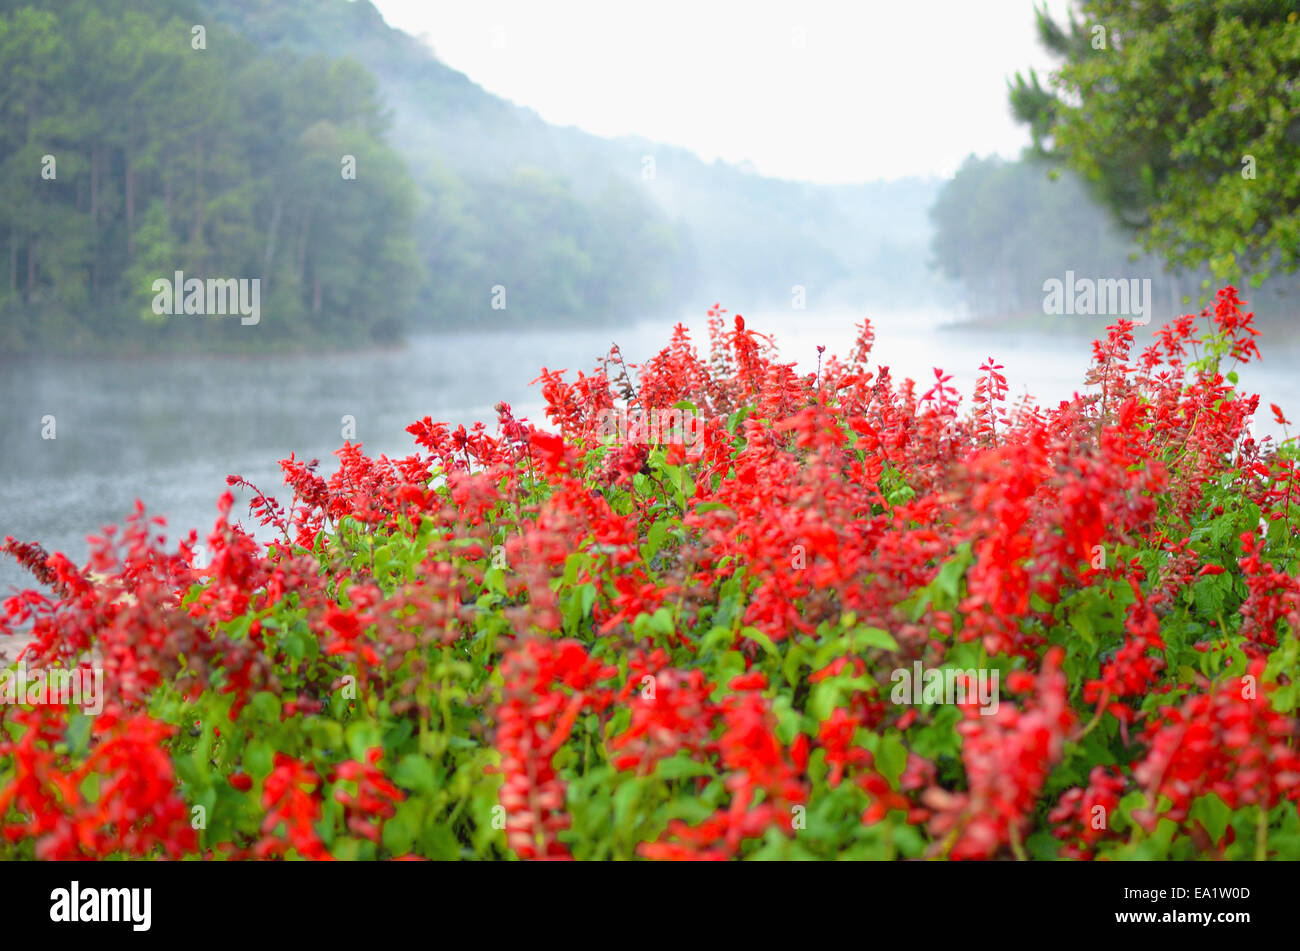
<point x="139" y="138"/>
<point x="687" y="231"/>
<point x="133" y="145"/>
<point x="371" y="190"/>
<point x="1004" y="228"/>
<point x="644" y="226"/>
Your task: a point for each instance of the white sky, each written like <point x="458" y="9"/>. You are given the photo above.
<point x="879" y="89"/>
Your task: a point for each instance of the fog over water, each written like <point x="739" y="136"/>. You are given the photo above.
<point x="169" y="431"/>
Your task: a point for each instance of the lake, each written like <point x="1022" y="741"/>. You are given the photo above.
<point x="169" y="430"/>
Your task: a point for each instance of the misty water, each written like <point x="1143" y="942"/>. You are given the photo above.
<point x="169" y="430"/>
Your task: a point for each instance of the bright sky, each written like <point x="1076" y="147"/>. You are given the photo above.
<point x="819" y="90"/>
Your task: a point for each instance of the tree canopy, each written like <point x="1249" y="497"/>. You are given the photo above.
<point x="1184" y="118"/>
<point x="133" y="145"/>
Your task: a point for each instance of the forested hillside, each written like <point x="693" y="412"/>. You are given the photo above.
<point x="372" y="190"/>
<point x="719" y="232"/>
<point x="132" y="147"/>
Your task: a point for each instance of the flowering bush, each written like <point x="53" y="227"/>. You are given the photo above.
<point x="563" y="644"/>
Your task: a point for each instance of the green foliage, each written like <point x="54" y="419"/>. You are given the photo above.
<point x="1183" y="117"/>
<point x="215" y="161"/>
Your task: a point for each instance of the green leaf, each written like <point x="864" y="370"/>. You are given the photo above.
<point x="439" y="843"/>
<point x="865" y="637"/>
<point x="266" y="706"/>
<point x="363" y="736"/>
<point x="1213" y="813"/>
<point x="682" y="766"/>
<point x="415" y="772"/>
<point x="400" y="831"/>
<point x="736" y="418"/>
<point x="891" y="758"/>
<point x="762" y="640"/>
<point x="654" y="538"/>
<point x="689" y="809"/>
<point x="258" y="759"/>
